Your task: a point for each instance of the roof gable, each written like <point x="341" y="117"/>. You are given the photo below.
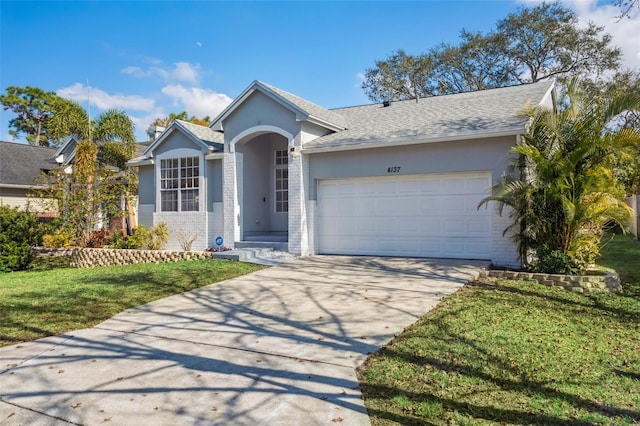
<point x="303" y="109"/>
<point x="204" y="137"/>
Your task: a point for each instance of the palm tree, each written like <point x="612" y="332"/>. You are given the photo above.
<point x="563" y="189"/>
<point x="99" y="179"/>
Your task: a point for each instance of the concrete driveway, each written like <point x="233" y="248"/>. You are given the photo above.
<point x="276" y="347"/>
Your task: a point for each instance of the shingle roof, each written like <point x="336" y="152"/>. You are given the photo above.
<point x="141" y="148"/>
<point x="310" y="108"/>
<point x="208" y="136"/>
<point x="464" y="114"/>
<point x="21" y="164"/>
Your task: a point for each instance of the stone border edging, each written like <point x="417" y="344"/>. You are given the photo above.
<point x="579" y="283"/>
<point x="90" y="257"/>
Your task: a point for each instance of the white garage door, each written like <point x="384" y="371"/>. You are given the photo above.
<point x="433" y="215"/>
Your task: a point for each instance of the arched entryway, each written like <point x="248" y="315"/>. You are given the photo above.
<point x="263" y="190"/>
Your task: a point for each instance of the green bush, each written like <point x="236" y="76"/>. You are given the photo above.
<point x="154" y="238"/>
<point x="58" y="239"/>
<point x="118" y="241"/>
<point x="554" y="262"/>
<point x="19" y="231"/>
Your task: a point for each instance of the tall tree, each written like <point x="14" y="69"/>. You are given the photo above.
<point x="400" y="76"/>
<point x="98" y="180"/>
<point x="533" y="44"/>
<point x="32" y="107"/>
<point x="44" y="118"/>
<point x="545" y="41"/>
<point x="627" y="8"/>
<point x="563" y="189"/>
<point x="478" y="63"/>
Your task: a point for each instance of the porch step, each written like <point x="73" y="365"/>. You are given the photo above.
<point x="279" y="237"/>
<point x="273" y="245"/>
<point x="260" y="256"/>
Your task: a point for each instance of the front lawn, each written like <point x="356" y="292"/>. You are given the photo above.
<point x="45" y="302"/>
<point x="512" y="352"/>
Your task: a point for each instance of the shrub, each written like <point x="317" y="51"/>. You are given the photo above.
<point x="119" y="241"/>
<point x="98" y="238"/>
<point x="58" y="239"/>
<point x="19" y="231"/>
<point x="154" y="238"/>
<point x="554" y="262"/>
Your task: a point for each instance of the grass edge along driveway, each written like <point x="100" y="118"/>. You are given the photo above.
<point x="516" y="352"/>
<point x="40" y="303"/>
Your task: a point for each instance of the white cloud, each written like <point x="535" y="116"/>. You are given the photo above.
<point x="142" y="122"/>
<point x="199" y="43"/>
<point x="197" y="101"/>
<point x="360" y="78"/>
<point x="181" y="71"/>
<point x="624" y="32"/>
<point x="103" y="100"/>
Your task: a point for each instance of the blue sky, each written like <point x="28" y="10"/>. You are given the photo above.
<point x="153" y="58"/>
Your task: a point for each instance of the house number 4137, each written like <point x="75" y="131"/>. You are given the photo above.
<point x="393" y="169"/>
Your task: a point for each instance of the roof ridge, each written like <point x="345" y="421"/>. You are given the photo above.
<point x="513" y="86"/>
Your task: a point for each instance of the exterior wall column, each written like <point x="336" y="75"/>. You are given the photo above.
<point x="298" y="227"/>
<point x="231" y="209"/>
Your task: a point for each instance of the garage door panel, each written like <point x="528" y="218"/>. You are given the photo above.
<point x="478" y="185"/>
<point x="455" y="204"/>
<point x="479" y="226"/>
<point x="430" y="227"/>
<point x="422" y="215"/>
<point x="455" y="186"/>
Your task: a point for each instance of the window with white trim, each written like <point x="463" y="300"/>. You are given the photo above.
<point x="282" y="181"/>
<point x="180" y="184"/>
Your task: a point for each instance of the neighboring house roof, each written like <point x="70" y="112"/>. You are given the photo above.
<point x="141" y="147"/>
<point x="304" y="110"/>
<point x="66" y="151"/>
<point x="447" y="117"/>
<point x="21" y="164"/>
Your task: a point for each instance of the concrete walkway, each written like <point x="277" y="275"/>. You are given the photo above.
<point x="276" y="347"/>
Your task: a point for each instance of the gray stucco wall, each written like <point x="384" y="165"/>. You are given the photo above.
<point x="146" y="185"/>
<point x="258" y="110"/>
<point x="175" y="140"/>
<point x="443" y="157"/>
<point x="312" y="131"/>
<point x="214" y="183"/>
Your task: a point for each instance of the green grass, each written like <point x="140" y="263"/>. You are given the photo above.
<point x="507" y="352"/>
<point x="622" y="253"/>
<point x="52" y="299"/>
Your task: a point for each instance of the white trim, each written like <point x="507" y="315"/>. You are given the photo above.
<point x="64" y="145"/>
<point x="274" y="183"/>
<point x="140" y="162"/>
<point x="323" y="123"/>
<point x="262" y="129"/>
<point x="18" y="186"/>
<point x="214" y="156"/>
<point x="410" y="140"/>
<point x="175" y="125"/>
